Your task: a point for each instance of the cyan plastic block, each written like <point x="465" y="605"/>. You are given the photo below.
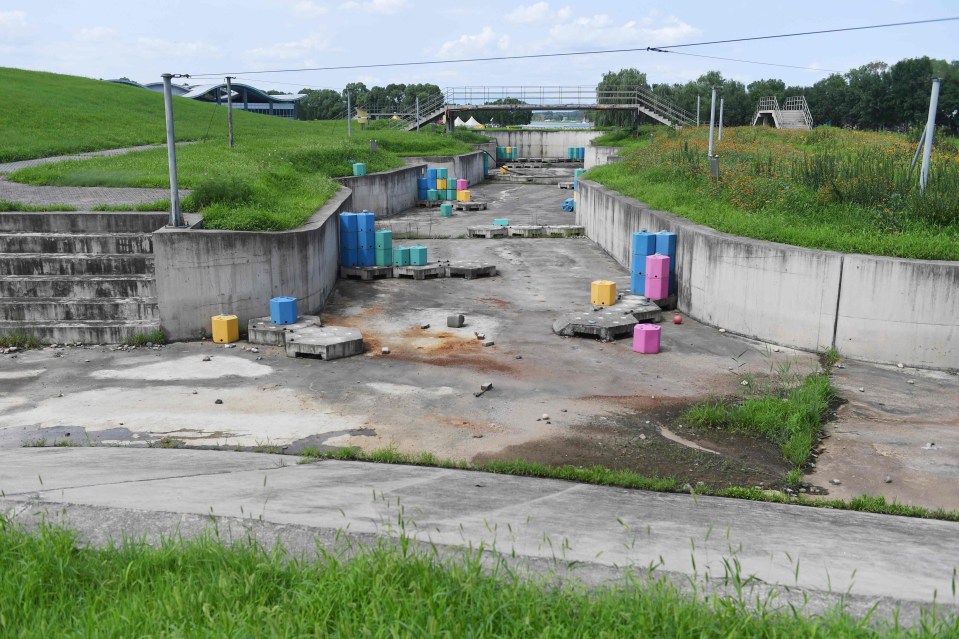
<point x="401" y="256"/>
<point x="433" y="195"/>
<point x="500" y="221"/>
<point x="644" y="243"/>
<point x="384" y="240"/>
<point x="441" y="173"/>
<point x="359" y="168"/>
<point x="418" y="255"/>
<point x="666" y="243"/>
<point x="384" y="257"/>
<point x="283" y="310"/>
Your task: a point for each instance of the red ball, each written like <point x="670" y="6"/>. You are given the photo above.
<point x="677" y="319"/>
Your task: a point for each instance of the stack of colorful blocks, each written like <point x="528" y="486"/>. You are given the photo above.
<point x="357" y="239"/>
<point x="438" y="186"/>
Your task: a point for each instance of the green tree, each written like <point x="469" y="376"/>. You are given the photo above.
<point x="323" y="104"/>
<point x="618" y="87"/>
<point x="827" y="100"/>
<point x="504" y="118"/>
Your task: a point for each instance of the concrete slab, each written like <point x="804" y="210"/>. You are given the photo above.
<point x="366" y="273"/>
<point x="609" y="322"/>
<point x="327" y="342"/>
<point x="425" y="271"/>
<point x="263" y="331"/>
<point x="488" y="231"/>
<point x="469" y="270"/>
<point x="526" y="230"/>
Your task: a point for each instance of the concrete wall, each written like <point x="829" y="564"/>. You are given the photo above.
<point x="468" y="165"/>
<point x="543" y="144"/>
<point x="385" y="193"/>
<point x="871" y="308"/>
<point x="201" y="273"/>
<point x="600" y="155"/>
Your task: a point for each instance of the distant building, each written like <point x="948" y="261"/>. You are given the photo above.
<point x="245" y="96"/>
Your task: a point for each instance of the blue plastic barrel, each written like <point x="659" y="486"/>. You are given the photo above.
<point x="283" y="310"/>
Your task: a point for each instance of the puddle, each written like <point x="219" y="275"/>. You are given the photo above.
<point x="186" y="368"/>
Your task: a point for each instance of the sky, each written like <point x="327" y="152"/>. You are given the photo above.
<point x="142" y="39"/>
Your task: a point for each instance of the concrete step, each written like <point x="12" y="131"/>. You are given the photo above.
<point x="82" y="222"/>
<point x="77" y="286"/>
<point x="85" y="332"/>
<point x="79" y="264"/>
<point x="118" y="243"/>
<point x="31" y="309"/>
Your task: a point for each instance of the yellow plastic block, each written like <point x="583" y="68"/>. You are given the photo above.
<point x="441" y="184"/>
<point x="509" y="150"/>
<point x="462" y="196"/>
<point x="603" y="293"/>
<point x="226" y="328"/>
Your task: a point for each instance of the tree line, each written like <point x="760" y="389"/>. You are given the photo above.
<point x="874" y="96"/>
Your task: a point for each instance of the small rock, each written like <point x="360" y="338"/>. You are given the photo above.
<point x="258" y="358"/>
<point x="59" y="394"/>
<point x="229" y="346"/>
<point x="424" y="326"/>
<point x="802" y="490"/>
<point x="219" y="401"/>
<point x="722" y="330"/>
<point x="888" y="479"/>
<point x="194" y="392"/>
<point x="641" y="436"/>
<point x="745" y="382"/>
<point x="776" y="349"/>
<point x="206" y="359"/>
<point x="149" y="344"/>
<point x="488" y="342"/>
<point x="480" y="336"/>
<point x="478" y="436"/>
<point x="455" y="321"/>
<point x="900" y="365"/>
<point x="254" y="350"/>
<point x="485" y="387"/>
<point x="862" y="390"/>
<point x="563" y="410"/>
<point x="385" y="350"/>
<point x="834" y="482"/>
<point x="545" y="417"/>
<point x="909" y="381"/>
<point x="519" y="357"/>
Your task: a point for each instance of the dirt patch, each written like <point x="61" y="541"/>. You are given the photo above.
<point x="495" y="301"/>
<point x="633" y="441"/>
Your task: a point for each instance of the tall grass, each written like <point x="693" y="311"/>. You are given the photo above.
<point x="53" y="586"/>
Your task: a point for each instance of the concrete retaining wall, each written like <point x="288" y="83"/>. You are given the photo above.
<point x="543" y="144"/>
<point x="468" y="165"/>
<point x="600" y="155"/>
<point x="385" y="193"/>
<point x="201" y="273"/>
<point x="870" y="308"/>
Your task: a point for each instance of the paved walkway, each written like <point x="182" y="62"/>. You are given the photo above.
<point x="825" y="555"/>
<point x="78" y="197"/>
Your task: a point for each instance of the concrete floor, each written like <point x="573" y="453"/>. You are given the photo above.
<point x="605" y="403"/>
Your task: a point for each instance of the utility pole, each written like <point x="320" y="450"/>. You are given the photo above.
<point x="229" y="106"/>
<point x="697" y="110"/>
<point x="349" y="115"/>
<point x="712" y="121"/>
<point x="176" y="216"/>
<point x="721" y="100"/>
<point x="930" y="131"/>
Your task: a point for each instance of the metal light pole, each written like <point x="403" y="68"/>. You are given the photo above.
<point x="349" y="115"/>
<point x="930" y="131"/>
<point x="697" y="110"/>
<point x="721" y="100"/>
<point x="229" y="106"/>
<point x="712" y="121"/>
<point x="176" y="216"/>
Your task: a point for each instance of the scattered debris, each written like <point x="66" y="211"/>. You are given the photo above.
<point x="488" y="342"/>
<point x="722" y="330"/>
<point x="219" y="401"/>
<point x="255" y="350"/>
<point x="455" y="321"/>
<point x="900" y="365"/>
<point x="835" y="482"/>
<point x="424" y="326"/>
<point x="206" y="359"/>
<point x="385" y="350"/>
<point x="545" y="417"/>
<point x="909" y="381"/>
<point x="486" y="386"/>
<point x="478" y="436"/>
<point x="229" y="346"/>
<point x="519" y="357"/>
<point x="888" y="479"/>
<point x="862" y="390"/>
<point x="480" y="336"/>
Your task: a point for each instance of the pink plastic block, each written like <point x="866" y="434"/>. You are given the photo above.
<point x="657" y="288"/>
<point x="462" y="185"/>
<point x="657" y="266"/>
<point x="646" y="338"/>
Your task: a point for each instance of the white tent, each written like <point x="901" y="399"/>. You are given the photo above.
<point x="471" y="123"/>
<point x="458" y="122"/>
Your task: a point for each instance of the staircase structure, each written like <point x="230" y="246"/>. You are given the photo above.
<point x="456" y="100"/>
<point x="78" y="277"/>
<point x="794" y="113"/>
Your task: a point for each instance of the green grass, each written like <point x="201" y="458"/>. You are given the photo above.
<point x="156" y="336"/>
<point x="840" y="191"/>
<point x="277" y="176"/>
<point x="790" y="417"/>
<point x="145" y="207"/>
<point x="17" y="207"/>
<point x="20" y="339"/>
<point x="52" y="585"/>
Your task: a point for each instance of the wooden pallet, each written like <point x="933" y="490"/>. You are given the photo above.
<point x="429" y="204"/>
<point x="470" y="270"/>
<point x="469" y="206"/>
<point x="365" y="273"/>
<point x="487" y="232"/>
<point x="420" y="272"/>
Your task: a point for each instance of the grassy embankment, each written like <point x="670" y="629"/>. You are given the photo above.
<point x="830" y="189"/>
<point x="278" y="174"/>
<point x="52" y="585"/>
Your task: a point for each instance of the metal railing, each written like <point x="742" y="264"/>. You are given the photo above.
<point x="794" y="104"/>
<point x="798" y="103"/>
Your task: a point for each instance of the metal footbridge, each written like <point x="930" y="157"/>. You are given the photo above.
<point x="456" y="100"/>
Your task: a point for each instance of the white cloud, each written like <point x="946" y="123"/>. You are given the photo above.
<point x="13" y="24"/>
<point x="484" y="42"/>
<point x="294" y="50"/>
<point x="375" y="6"/>
<point x="309" y="9"/>
<point x="601" y="30"/>
<point x="153" y="48"/>
<point x="95" y="34"/>
<point x="537" y="13"/>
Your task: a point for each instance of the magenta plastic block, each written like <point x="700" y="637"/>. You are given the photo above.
<point x="646" y="338"/>
<point x="657" y="266"/>
<point x="657" y="288"/>
<point x="462" y="185"/>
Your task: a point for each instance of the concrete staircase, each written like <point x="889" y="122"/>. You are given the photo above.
<point x="79" y="276"/>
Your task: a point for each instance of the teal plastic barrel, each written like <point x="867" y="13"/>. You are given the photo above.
<point x="446" y="210"/>
<point x="359" y="168"/>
